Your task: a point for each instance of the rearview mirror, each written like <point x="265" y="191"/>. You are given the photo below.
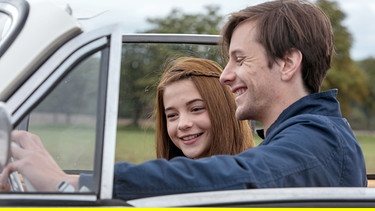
<point x="5" y="130"/>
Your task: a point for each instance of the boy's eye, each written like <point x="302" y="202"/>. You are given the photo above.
<point x="239" y="59"/>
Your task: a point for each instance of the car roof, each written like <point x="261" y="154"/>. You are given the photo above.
<point x="40" y="42"/>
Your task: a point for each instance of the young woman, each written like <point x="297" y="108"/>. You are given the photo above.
<point x="195" y="113"/>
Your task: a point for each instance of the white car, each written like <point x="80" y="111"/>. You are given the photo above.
<point x="60" y="78"/>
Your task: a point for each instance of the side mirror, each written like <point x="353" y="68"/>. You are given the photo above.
<point x="5" y="131"/>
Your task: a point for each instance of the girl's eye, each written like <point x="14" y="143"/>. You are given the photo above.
<point x="196" y="109"/>
<point x="170" y="116"/>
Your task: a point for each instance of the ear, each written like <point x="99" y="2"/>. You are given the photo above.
<point x="292" y="64"/>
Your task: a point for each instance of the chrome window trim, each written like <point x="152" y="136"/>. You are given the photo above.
<point x="171" y="38"/>
<point x="48" y="196"/>
<point x="259" y="197"/>
<point x="111" y="110"/>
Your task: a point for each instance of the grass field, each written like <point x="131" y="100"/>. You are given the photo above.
<point x="135" y="145"/>
<point x="367" y="142"/>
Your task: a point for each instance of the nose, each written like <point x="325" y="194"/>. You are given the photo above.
<point x="228" y="75"/>
<point x="184" y="122"/>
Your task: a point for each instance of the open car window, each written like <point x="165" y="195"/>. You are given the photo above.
<point x="141" y="66"/>
<point x="142" y="63"/>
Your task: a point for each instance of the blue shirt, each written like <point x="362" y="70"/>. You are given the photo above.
<point x="309" y="145"/>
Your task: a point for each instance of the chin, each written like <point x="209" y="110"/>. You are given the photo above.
<point x="190" y="156"/>
<point x="240" y="116"/>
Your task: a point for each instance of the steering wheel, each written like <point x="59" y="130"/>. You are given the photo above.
<point x="15" y="180"/>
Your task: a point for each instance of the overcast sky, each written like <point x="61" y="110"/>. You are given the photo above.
<point x="360" y="15"/>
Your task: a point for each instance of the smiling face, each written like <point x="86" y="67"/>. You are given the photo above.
<point x="249" y="76"/>
<point x="188" y="121"/>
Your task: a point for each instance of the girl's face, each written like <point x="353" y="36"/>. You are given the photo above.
<point x="188" y="121"/>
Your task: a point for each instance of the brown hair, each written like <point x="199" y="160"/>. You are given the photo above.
<point x="286" y="24"/>
<point x="231" y="136"/>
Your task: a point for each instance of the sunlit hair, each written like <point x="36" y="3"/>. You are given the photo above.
<point x="283" y="25"/>
<point x="230" y="136"/>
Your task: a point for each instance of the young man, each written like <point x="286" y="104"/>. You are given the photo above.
<point x="279" y="53"/>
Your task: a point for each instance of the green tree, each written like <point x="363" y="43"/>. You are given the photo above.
<point x="179" y="22"/>
<point x="142" y="64"/>
<point x="344" y="74"/>
<point x="368" y="107"/>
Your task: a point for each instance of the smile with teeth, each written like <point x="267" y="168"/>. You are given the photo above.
<point x="238" y="92"/>
<point x="188" y="138"/>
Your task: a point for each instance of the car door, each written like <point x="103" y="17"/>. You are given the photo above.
<point x="70" y="101"/>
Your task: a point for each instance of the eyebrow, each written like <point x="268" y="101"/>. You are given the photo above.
<point x="188" y="103"/>
<point x="235" y="52"/>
